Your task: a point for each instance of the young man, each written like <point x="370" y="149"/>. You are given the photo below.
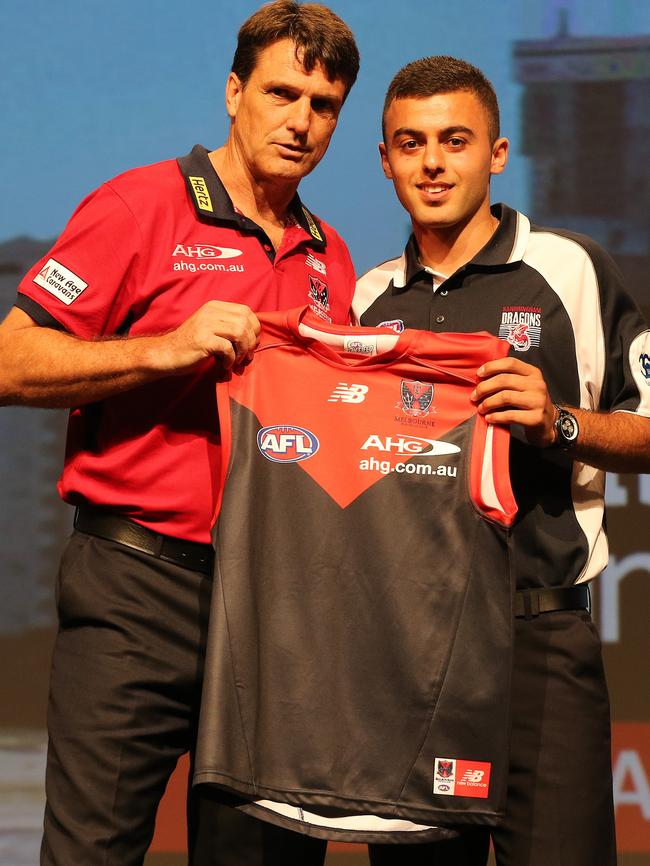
<point x="145" y="297"/>
<point x="574" y="393"/>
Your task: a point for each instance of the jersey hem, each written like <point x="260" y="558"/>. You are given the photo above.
<point x="394" y="837"/>
<point x="323" y="800"/>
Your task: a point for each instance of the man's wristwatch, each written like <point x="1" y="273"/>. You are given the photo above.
<point x="566" y="428"/>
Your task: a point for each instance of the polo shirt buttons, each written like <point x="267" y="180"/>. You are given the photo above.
<point x="440" y="319"/>
<point x="444" y="292"/>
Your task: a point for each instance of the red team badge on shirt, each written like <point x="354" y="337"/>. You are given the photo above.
<point x="417" y="398"/>
<point x="319" y="295"/>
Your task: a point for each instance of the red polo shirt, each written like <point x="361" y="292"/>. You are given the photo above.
<point x="139" y="256"/>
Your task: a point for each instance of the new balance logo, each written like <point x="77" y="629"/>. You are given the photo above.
<point x="348" y="393"/>
<point x="473" y="776"/>
<point x="316" y="264"/>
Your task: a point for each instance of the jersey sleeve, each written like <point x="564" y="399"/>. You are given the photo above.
<point x="83" y="284"/>
<point x="626" y="385"/>
<point x="489" y="473"/>
<point x="489" y="470"/>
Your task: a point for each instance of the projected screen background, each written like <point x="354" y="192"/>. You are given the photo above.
<point x="89" y="90"/>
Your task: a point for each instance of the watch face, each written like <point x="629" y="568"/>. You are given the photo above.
<point x="568" y="427"/>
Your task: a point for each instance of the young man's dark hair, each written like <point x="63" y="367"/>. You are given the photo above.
<point x="442" y="74"/>
<point x="320" y="36"/>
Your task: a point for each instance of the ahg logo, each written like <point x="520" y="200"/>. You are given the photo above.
<point x="205" y="251"/>
<point x="410" y="445"/>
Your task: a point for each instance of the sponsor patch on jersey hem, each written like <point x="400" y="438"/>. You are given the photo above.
<point x="453" y="777"/>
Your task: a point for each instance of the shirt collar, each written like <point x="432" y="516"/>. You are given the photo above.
<point x="506" y="246"/>
<point x="212" y="203"/>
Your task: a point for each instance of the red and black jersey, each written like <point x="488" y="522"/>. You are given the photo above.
<point x="139" y="256"/>
<point x="360" y="636"/>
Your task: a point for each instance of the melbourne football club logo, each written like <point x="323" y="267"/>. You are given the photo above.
<point x="416" y="398"/>
<point x="319" y="293"/>
<point x="444" y="776"/>
<point x="285" y="443"/>
<point x="644" y="362"/>
<point x="521" y="327"/>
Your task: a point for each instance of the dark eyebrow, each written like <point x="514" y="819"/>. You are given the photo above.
<point x="450" y="131"/>
<point x="294" y="90"/>
<point x="406" y="130"/>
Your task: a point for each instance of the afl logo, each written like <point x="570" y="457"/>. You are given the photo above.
<point x="287" y="444"/>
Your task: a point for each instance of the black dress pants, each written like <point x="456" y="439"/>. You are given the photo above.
<point x="124" y="697"/>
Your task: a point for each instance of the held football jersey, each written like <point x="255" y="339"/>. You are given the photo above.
<point x="358" y="668"/>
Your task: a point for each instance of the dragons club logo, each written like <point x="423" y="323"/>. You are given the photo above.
<point x="521" y="327"/>
<point x="519" y="338"/>
<point x="416" y="398"/>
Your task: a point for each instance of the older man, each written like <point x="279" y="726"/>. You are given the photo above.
<point x="127" y="320"/>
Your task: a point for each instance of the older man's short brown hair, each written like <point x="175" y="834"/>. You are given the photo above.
<point x="320" y="36"/>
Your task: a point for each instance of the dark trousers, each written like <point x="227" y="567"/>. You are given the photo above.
<point x="559" y="810"/>
<point x="124" y="698"/>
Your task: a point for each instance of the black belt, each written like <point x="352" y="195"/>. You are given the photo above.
<point x="532" y="602"/>
<point x="112" y="527"/>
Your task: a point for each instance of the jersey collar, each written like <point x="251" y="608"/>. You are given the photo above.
<point x="506" y="247"/>
<point x="212" y="203"/>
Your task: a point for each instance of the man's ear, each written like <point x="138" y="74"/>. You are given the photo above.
<point x="499" y="155"/>
<point x="384" y="161"/>
<point x="234" y="88"/>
